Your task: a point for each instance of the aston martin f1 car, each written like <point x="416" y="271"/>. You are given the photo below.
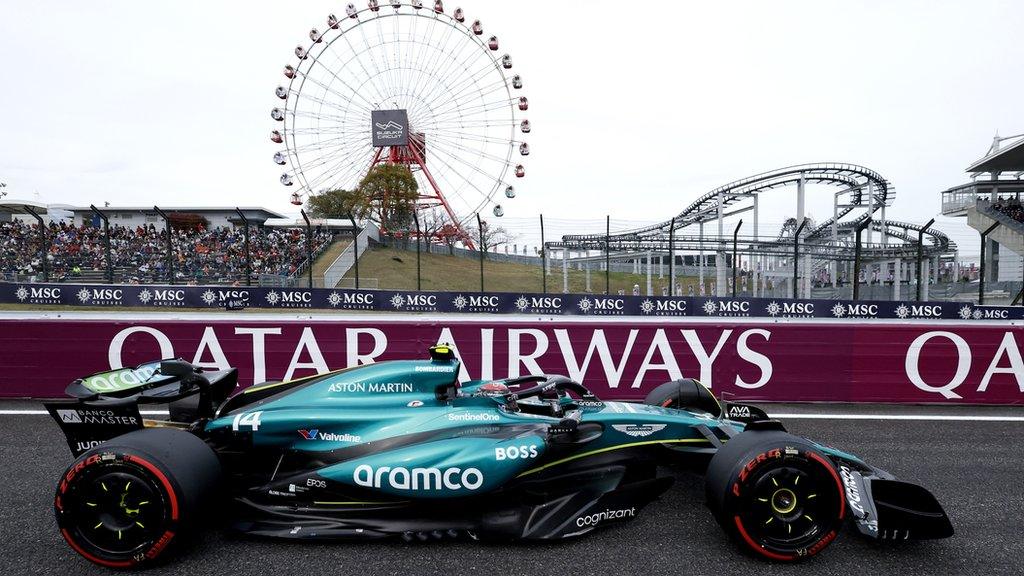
<point x="402" y="449"/>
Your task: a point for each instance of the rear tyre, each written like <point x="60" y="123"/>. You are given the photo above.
<point x="123" y="503"/>
<point x="776" y="495"/>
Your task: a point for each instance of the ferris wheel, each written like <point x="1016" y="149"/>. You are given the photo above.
<point x="408" y="84"/>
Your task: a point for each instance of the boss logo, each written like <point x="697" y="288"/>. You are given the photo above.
<point x="515" y="452"/>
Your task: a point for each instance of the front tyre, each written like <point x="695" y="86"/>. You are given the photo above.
<point x="122" y="504"/>
<point x="776" y="495"/>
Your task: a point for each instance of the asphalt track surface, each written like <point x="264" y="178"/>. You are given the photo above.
<point x="973" y="467"/>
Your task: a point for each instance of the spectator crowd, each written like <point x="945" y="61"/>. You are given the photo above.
<point x="202" y="256"/>
<point x="1011" y="207"/>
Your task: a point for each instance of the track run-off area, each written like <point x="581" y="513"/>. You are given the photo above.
<point x="969" y="457"/>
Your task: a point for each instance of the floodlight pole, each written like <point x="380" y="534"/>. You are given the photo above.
<point x="42" y="242"/>
<point x="981" y="275"/>
<point x="355" y="247"/>
<point x="170" y="246"/>
<point x="734" y="234"/>
<point x="920" y="256"/>
<point x="671" y="258"/>
<point x="796" y="255"/>
<point x="607" y="254"/>
<point x="481" y="248"/>
<point x="856" y="257"/>
<point x="543" y="258"/>
<point x="106" y="241"/>
<point x="248" y="261"/>
<point x="309" y="247"/>
<point x="416" y="219"/>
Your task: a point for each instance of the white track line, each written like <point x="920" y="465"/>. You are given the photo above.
<point x="920" y="417"/>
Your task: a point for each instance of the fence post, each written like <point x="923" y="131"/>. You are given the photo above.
<point x="42" y="242"/>
<point x="106" y="241"/>
<point x="481" y="248"/>
<point x="418" y="235"/>
<point x="544" y="258"/>
<point x="920" y="255"/>
<point x="309" y="247"/>
<point x="170" y="245"/>
<point x="607" y="254"/>
<point x="671" y="258"/>
<point x="355" y="247"/>
<point x="734" y="234"/>
<point x="981" y="271"/>
<point x="856" y="258"/>
<point x="248" y="258"/>
<point x="796" y="257"/>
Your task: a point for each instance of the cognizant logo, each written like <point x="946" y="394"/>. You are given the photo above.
<point x="418" y="478"/>
<point x="595" y="519"/>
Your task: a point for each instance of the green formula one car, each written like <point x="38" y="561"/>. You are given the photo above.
<point x="401" y="449"/>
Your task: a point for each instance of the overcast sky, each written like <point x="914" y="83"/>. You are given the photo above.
<point x="637" y="108"/>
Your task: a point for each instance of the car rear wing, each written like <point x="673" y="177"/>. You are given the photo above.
<point x="106" y="404"/>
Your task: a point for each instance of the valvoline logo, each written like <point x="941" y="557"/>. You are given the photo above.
<point x="309" y="434"/>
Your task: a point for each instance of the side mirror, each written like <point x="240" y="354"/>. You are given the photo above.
<point x="178" y="368"/>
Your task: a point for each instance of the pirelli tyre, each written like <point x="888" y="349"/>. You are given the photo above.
<point x="776" y="495"/>
<point x="125" y="502"/>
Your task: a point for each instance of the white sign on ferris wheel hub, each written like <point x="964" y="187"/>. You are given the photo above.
<point x="425" y="69"/>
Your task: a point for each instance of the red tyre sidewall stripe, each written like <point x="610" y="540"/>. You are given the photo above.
<point x="163" y="480"/>
<point x="108" y="563"/>
<point x="757" y="547"/>
<point x="839" y="483"/>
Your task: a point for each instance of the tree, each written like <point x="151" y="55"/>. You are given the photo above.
<point x="449" y="236"/>
<point x="490" y="237"/>
<point x="332" y="204"/>
<point x="387" y="196"/>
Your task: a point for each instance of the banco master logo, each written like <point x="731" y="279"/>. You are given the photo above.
<point x="401" y="478"/>
<point x="639" y="430"/>
<point x="90" y="416"/>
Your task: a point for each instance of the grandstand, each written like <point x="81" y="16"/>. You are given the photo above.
<point x="991" y="202"/>
<point x="138" y="253"/>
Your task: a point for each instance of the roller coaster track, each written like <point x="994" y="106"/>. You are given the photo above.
<point x="854" y="182"/>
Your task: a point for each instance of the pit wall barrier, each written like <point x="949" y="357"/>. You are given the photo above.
<point x="87" y="296"/>
<point x="914" y="361"/>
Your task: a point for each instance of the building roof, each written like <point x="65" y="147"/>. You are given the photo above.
<point x="195" y="209"/>
<point x="21" y="206"/>
<point x="1008" y="159"/>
